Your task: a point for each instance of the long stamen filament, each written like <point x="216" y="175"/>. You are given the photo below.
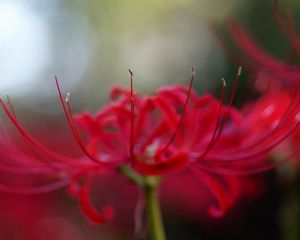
<point x="212" y="140"/>
<point x="33" y="151"/>
<point x="132" y="117"/>
<point x="220" y="123"/>
<point x="69" y="116"/>
<point x="183" y="114"/>
<point x="33" y="141"/>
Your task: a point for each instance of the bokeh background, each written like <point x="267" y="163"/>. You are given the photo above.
<point x="89" y="45"/>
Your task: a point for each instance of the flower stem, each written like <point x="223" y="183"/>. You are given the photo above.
<point x="153" y="209"/>
<point x="149" y="185"/>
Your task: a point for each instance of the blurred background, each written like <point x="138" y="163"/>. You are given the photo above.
<point x="89" y="45"/>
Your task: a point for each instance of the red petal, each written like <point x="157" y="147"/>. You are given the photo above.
<point x="225" y="191"/>
<point x="91" y="212"/>
<point x="160" y="167"/>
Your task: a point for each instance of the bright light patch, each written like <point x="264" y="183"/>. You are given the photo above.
<point x="23" y="46"/>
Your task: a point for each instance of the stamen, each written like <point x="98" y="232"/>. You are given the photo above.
<point x="71" y="122"/>
<point x="34" y="142"/>
<point x="212" y="140"/>
<point x="223" y="82"/>
<point x="132" y="117"/>
<point x="183" y="114"/>
<point x="68" y="96"/>
<point x="249" y="171"/>
<point x="237" y="78"/>
<point x="291" y="109"/>
<point x="239" y="73"/>
<point x="35" y="154"/>
<point x="8" y="102"/>
<point x="254" y="155"/>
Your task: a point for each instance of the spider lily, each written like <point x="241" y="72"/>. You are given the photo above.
<point x="258" y="60"/>
<point x="264" y="65"/>
<point x="274" y="115"/>
<point x="170" y="131"/>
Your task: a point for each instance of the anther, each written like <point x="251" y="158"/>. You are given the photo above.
<point x="223" y="82"/>
<point x="239" y="72"/>
<point x="68" y="96"/>
<point x="130" y="72"/>
<point x="193" y="71"/>
<point x="8" y="99"/>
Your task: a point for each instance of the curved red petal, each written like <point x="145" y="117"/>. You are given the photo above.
<point x="90" y="211"/>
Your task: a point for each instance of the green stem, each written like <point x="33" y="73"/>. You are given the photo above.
<point x="153" y="209"/>
<point x="149" y="185"/>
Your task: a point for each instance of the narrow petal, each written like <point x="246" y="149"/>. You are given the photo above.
<point x="90" y="211"/>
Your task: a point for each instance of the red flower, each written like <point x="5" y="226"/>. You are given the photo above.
<point x="283" y="113"/>
<point x="184" y="194"/>
<point x="173" y="130"/>
<point x="258" y="60"/>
